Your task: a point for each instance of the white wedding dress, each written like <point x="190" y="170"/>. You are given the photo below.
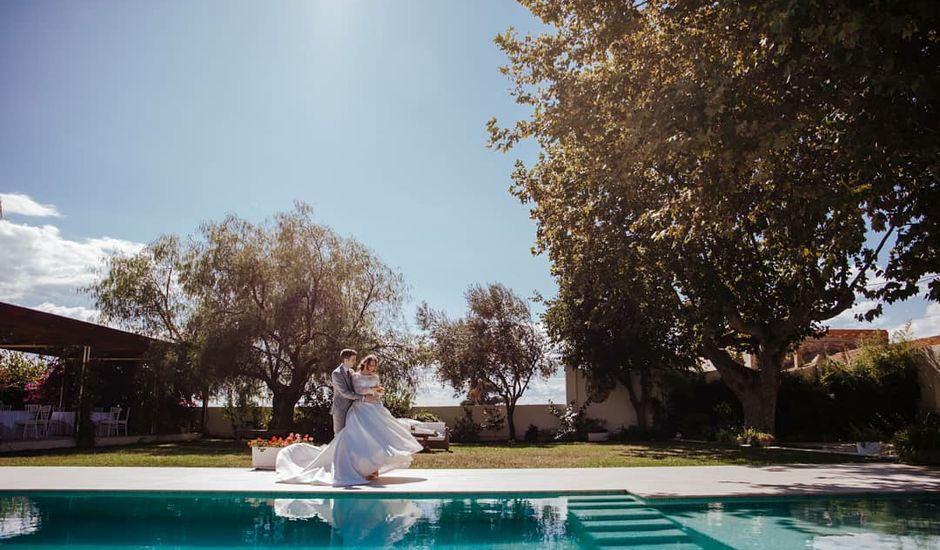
<point x="372" y="441"/>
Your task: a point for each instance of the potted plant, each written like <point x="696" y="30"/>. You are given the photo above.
<point x="264" y="451"/>
<point x="868" y="440"/>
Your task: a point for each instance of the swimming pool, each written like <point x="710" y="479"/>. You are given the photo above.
<point x="222" y="520"/>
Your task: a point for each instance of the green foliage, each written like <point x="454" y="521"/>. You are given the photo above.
<point x="465" y="429"/>
<point x="759" y="156"/>
<point x="919" y="443"/>
<point x="423" y="415"/>
<point x="573" y="422"/>
<point x="531" y="434"/>
<point x="241" y="408"/>
<point x="698" y="409"/>
<point x="397" y="404"/>
<point x="493" y="352"/>
<point x="868" y="399"/>
<point x="272" y="301"/>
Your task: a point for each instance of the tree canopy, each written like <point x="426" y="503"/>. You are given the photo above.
<point x="770" y="158"/>
<point x="495" y="350"/>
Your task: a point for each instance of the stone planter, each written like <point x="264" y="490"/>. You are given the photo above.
<point x="868" y="448"/>
<point x="598" y="436"/>
<point x="264" y="458"/>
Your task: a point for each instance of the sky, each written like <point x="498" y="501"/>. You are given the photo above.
<point x="121" y="121"/>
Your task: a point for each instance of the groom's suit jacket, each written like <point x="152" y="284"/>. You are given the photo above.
<point x="343" y="392"/>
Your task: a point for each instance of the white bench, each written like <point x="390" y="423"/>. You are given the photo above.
<point x="433" y="435"/>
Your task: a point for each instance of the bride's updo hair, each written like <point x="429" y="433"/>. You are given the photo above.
<point x="368" y="359"/>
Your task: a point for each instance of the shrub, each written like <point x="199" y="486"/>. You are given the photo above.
<point x="465" y="430"/>
<point x="573" y="423"/>
<point x="697" y="408"/>
<point x="919" y="443"/>
<point x="493" y="420"/>
<point x="634" y="433"/>
<point x="423" y="415"/>
<point x="531" y="434"/>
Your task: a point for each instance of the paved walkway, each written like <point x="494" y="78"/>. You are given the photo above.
<point x="691" y="481"/>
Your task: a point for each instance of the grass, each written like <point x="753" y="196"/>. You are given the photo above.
<point x="234" y="454"/>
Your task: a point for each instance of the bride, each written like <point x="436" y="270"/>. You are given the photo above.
<point x="371" y="443"/>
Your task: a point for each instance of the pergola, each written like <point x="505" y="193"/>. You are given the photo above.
<point x="32" y="331"/>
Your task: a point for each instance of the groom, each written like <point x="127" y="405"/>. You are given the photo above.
<point x="343" y="392"/>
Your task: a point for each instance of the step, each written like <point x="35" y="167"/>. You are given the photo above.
<point x="656" y="546"/>
<point x="631" y="514"/>
<point x="605" y="505"/>
<point x="602" y="498"/>
<point x="627" y="525"/>
<point x="637" y="537"/>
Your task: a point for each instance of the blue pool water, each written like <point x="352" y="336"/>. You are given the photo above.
<point x="216" y="521"/>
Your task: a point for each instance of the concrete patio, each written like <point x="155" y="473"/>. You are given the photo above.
<point x="660" y="482"/>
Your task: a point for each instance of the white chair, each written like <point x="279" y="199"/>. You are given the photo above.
<point x="39" y="423"/>
<point x="31" y="408"/>
<point x="116" y="419"/>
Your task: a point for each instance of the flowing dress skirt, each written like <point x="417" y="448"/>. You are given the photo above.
<point x="372" y="441"/>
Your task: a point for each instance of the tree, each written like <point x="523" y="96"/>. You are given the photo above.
<point x="144" y="293"/>
<point x="495" y="350"/>
<point x="769" y="158"/>
<point x="619" y="325"/>
<point x="277" y="301"/>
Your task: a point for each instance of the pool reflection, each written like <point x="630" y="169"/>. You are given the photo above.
<point x="165" y="520"/>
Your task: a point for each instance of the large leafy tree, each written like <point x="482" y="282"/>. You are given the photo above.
<point x="619" y="327"/>
<point x="279" y="299"/>
<point x="270" y="302"/>
<point x="770" y="158"/>
<point x="494" y="351"/>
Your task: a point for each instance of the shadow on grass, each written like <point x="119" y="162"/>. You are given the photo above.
<point x="200" y="447"/>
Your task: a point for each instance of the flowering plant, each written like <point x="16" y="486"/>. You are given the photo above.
<point x="280" y="441"/>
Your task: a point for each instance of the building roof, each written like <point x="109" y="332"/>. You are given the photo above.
<point x="33" y="331"/>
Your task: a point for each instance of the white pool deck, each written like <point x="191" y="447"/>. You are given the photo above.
<point x="659" y="482"/>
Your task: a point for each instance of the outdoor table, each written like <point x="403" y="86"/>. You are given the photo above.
<point x="61" y="423"/>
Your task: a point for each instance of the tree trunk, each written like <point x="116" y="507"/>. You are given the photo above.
<point x="510" y="420"/>
<point x="638" y="390"/>
<point x="756" y="389"/>
<point x="760" y="403"/>
<point x="282" y="410"/>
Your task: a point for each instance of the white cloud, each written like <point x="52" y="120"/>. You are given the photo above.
<point x="926" y="325"/>
<point x="77" y="312"/>
<point x="432" y="394"/>
<point x="42" y="266"/>
<point x="18" y="203"/>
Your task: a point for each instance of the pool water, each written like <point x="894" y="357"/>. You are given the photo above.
<point x="816" y="522"/>
<point x="215" y="521"/>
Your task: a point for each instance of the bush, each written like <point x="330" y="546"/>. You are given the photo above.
<point x="465" y="430"/>
<point x="423" y="415"/>
<point x="696" y="408"/>
<point x="531" y="434"/>
<point x="313" y="416"/>
<point x="919" y="443"/>
<point x="877" y="392"/>
<point x="634" y="433"/>
<point x="573" y="424"/>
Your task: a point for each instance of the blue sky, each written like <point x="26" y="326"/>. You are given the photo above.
<point x="130" y="119"/>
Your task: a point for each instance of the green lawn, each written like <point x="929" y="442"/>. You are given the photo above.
<point x="228" y="453"/>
